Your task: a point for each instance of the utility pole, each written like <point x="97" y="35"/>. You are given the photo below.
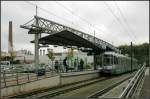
<point x="10" y="41"/>
<point x="94" y="54"/>
<point x="0" y="51"/>
<point x="36" y="58"/>
<point x="94" y="36"/>
<point x="131" y="57"/>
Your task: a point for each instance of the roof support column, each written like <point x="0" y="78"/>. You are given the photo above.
<point x="95" y="62"/>
<point x="36" y="44"/>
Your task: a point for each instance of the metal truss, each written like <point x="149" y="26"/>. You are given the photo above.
<point x="51" y="27"/>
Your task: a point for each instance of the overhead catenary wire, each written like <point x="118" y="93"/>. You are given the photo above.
<point x="47" y="11"/>
<point x="90" y="24"/>
<point x="83" y="19"/>
<point x="63" y="18"/>
<point x="114" y="21"/>
<point x="73" y="12"/>
<point x="125" y="20"/>
<point x="119" y="21"/>
<point x="50" y="13"/>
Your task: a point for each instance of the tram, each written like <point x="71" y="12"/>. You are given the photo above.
<point x="115" y="63"/>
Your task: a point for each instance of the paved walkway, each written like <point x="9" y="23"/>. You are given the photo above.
<point x="145" y="91"/>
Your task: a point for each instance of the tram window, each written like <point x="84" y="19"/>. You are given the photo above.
<point x="107" y="60"/>
<point x="115" y="60"/>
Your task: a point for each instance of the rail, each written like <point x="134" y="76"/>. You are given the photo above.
<point x="105" y="90"/>
<point x="132" y="86"/>
<point x="55" y="91"/>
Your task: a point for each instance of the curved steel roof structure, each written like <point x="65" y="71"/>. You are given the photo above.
<point x="65" y="36"/>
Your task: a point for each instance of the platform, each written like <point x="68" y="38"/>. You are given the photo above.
<point x="55" y="81"/>
<point x="72" y="77"/>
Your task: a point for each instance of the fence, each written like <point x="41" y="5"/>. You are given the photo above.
<point x="16" y="78"/>
<point x="18" y="75"/>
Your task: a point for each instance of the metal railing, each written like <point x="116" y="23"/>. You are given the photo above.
<point x="19" y="75"/>
<point x="16" y="78"/>
<point x="133" y="84"/>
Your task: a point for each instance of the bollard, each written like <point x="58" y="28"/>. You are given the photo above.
<point x="45" y="71"/>
<point x="17" y="78"/>
<point x="28" y="76"/>
<point x="36" y="74"/>
<point x="129" y="81"/>
<point x="123" y="88"/>
<point x="4" y="78"/>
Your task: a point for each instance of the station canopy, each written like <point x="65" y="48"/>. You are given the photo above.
<point x="68" y="38"/>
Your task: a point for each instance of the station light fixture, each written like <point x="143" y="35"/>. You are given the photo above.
<point x="55" y="45"/>
<point x="64" y="47"/>
<point x="69" y="46"/>
<point x="43" y="45"/>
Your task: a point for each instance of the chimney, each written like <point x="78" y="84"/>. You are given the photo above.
<point x="10" y="39"/>
<point x="40" y="52"/>
<point x="43" y="52"/>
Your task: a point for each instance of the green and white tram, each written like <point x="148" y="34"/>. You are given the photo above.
<point x="115" y="63"/>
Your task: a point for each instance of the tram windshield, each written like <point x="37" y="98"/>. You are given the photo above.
<point x="108" y="60"/>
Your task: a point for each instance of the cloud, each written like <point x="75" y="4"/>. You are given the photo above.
<point x="95" y="12"/>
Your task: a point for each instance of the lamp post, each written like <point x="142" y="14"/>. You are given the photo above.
<point x="131" y="57"/>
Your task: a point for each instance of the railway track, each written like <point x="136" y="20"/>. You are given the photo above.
<point x="61" y="89"/>
<point x="89" y="91"/>
<point x="72" y="87"/>
<point x="69" y="88"/>
<point x="108" y="88"/>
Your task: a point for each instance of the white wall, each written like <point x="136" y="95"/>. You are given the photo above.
<point x="45" y="59"/>
<point x="28" y="87"/>
<point x="62" y="79"/>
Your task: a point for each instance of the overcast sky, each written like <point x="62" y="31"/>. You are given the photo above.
<point x="117" y="22"/>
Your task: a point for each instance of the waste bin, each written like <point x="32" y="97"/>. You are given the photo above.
<point x="40" y="72"/>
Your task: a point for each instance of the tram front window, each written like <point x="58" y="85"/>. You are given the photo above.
<point x="107" y="60"/>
